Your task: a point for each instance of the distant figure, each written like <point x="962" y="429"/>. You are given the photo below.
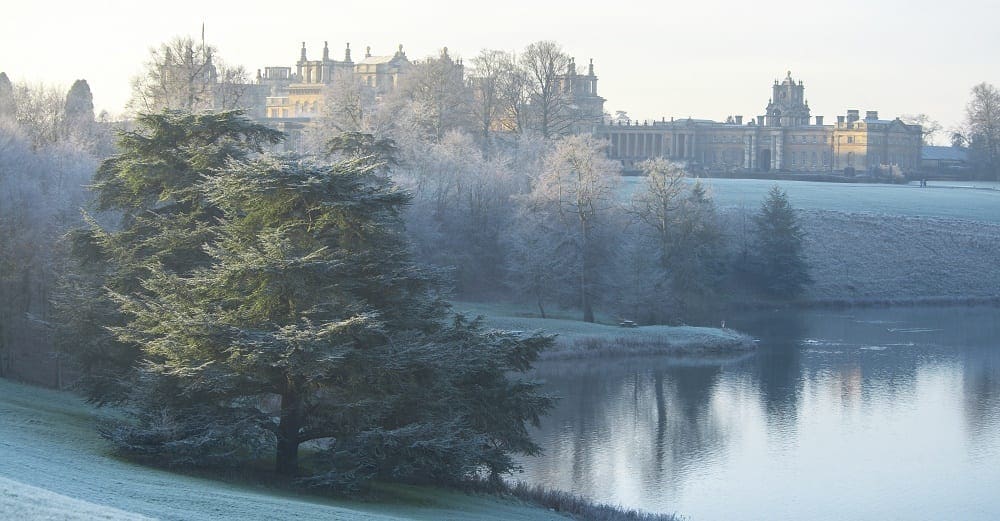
<point x="723" y="324"/>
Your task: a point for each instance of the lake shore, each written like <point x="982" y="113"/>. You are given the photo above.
<point x="577" y="339"/>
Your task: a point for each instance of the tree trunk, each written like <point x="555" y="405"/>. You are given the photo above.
<point x="287" y="456"/>
<point x="588" y="310"/>
<point x="585" y="282"/>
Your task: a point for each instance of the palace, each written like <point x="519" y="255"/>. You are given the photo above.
<point x="786" y="138"/>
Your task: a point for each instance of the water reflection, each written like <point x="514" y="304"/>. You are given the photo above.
<point x="839" y="415"/>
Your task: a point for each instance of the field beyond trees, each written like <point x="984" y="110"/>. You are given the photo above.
<point x="885" y="244"/>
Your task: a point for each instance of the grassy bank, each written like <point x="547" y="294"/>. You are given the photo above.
<point x="893" y="259"/>
<point x="53" y="465"/>
<point x="578" y="339"/>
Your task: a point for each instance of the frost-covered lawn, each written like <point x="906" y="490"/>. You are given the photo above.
<point x="882" y="257"/>
<point x="577" y="339"/>
<point x="869" y="243"/>
<point x="969" y="200"/>
<point x="54" y="466"/>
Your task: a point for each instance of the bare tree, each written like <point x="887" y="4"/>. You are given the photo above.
<point x="514" y="96"/>
<point x="185" y="74"/>
<point x="486" y="80"/>
<point x="39" y="113"/>
<point x="983" y="122"/>
<point x="578" y="189"/>
<point x="435" y="98"/>
<point x="658" y="202"/>
<point x="929" y="128"/>
<point x="546" y="65"/>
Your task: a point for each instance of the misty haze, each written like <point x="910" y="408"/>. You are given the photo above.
<point x="499" y="261"/>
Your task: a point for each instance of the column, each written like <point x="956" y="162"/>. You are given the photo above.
<point x="747" y="151"/>
<point x="778" y="151"/>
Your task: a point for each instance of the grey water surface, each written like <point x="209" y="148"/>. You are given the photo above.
<point x="840" y="415"/>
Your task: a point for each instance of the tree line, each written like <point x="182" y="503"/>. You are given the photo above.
<point x="50" y="144"/>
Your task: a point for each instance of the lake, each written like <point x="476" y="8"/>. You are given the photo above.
<point x="841" y="414"/>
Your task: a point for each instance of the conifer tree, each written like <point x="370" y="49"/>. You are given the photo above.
<point x="78" y="113"/>
<point x="778" y="262"/>
<point x="310" y="322"/>
<point x="8" y="105"/>
<point x="163" y="221"/>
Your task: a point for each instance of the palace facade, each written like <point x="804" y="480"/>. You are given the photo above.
<point x="786" y="138"/>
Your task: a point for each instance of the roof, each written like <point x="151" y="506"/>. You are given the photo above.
<point x="376" y="60"/>
<point x="931" y="153"/>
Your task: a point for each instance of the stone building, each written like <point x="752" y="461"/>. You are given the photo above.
<point x="586" y="107"/>
<point x="786" y="138"/>
<point x="294" y="96"/>
<point x="298" y="96"/>
<point x="290" y="97"/>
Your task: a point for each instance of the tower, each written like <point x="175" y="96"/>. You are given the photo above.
<point x="787" y="106"/>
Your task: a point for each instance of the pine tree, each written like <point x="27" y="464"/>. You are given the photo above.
<point x="78" y="113"/>
<point x="8" y="105"/>
<point x="778" y="262"/>
<point x="163" y="221"/>
<point x="309" y="322"/>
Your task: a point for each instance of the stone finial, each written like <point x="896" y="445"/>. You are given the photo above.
<point x="368" y="51"/>
<point x="347" y="52"/>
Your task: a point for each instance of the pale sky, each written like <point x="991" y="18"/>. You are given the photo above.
<point x="702" y="58"/>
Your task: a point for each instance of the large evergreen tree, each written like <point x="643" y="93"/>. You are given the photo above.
<point x="778" y="262"/>
<point x="163" y="222"/>
<point x="311" y="323"/>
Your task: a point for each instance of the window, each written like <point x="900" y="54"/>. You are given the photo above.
<point x="850" y="139"/>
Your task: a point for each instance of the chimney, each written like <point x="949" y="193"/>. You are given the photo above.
<point x="871" y="115"/>
<point x="853" y="115"/>
<point x="819" y="121"/>
<point x="739" y="120"/>
<point x="760" y="119"/>
<point x="840" y="120"/>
